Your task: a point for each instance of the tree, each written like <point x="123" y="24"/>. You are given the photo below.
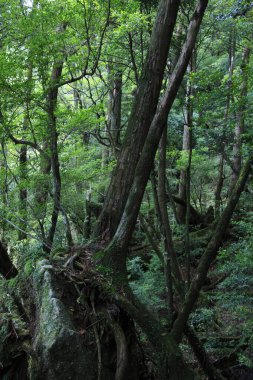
<point x="60" y="139"/>
<point x="142" y="113"/>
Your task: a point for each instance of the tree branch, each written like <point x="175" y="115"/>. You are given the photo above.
<point x="210" y="253"/>
<point x="28" y="143"/>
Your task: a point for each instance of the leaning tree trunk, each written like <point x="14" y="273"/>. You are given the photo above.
<point x="143" y="111"/>
<point x="146" y="160"/>
<point x="170" y="365"/>
<point x="210" y="253"/>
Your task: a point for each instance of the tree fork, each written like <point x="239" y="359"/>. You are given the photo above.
<point x="146" y="160"/>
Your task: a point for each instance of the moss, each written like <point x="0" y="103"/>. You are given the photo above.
<point x="57" y="344"/>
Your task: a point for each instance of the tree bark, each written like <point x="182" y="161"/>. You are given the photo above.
<point x="4" y="185"/>
<point x="170" y="362"/>
<point x="55" y="164"/>
<point x="239" y="128"/>
<point x="114" y="106"/>
<point x="23" y="191"/>
<point x="170" y="257"/>
<point x="42" y="186"/>
<point x="187" y="146"/>
<point x="113" y="124"/>
<point x="143" y="111"/>
<point x="219" y="186"/>
<point x="146" y="161"/>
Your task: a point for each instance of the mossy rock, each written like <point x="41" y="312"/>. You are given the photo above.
<point x="61" y="351"/>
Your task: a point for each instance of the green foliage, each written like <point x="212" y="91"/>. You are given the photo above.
<point x="229" y="316"/>
<point x="236" y="262"/>
<point x="96" y="44"/>
<point x="27" y="253"/>
<point x="147" y="281"/>
<point x="202" y="318"/>
<point x="9" y="319"/>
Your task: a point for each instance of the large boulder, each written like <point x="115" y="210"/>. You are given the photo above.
<point x="62" y="352"/>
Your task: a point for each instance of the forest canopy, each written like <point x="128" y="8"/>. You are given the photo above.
<point x="126" y="189"/>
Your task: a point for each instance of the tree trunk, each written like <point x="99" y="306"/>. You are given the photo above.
<point x="181" y="211"/>
<point x="170" y="257"/>
<point x="240" y="121"/>
<point x="201" y="355"/>
<point x="55" y="164"/>
<point x="113" y="124"/>
<point x="219" y="186"/>
<point x="143" y="111"/>
<point x="210" y="253"/>
<point x="23" y="193"/>
<point x="42" y="188"/>
<point x="146" y="161"/>
<point x="187" y="147"/>
<point x="114" y="106"/>
<point x="4" y="184"/>
<point x="169" y="253"/>
<point x="114" y="256"/>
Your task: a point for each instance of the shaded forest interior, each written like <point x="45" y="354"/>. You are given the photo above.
<point x="126" y="211"/>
